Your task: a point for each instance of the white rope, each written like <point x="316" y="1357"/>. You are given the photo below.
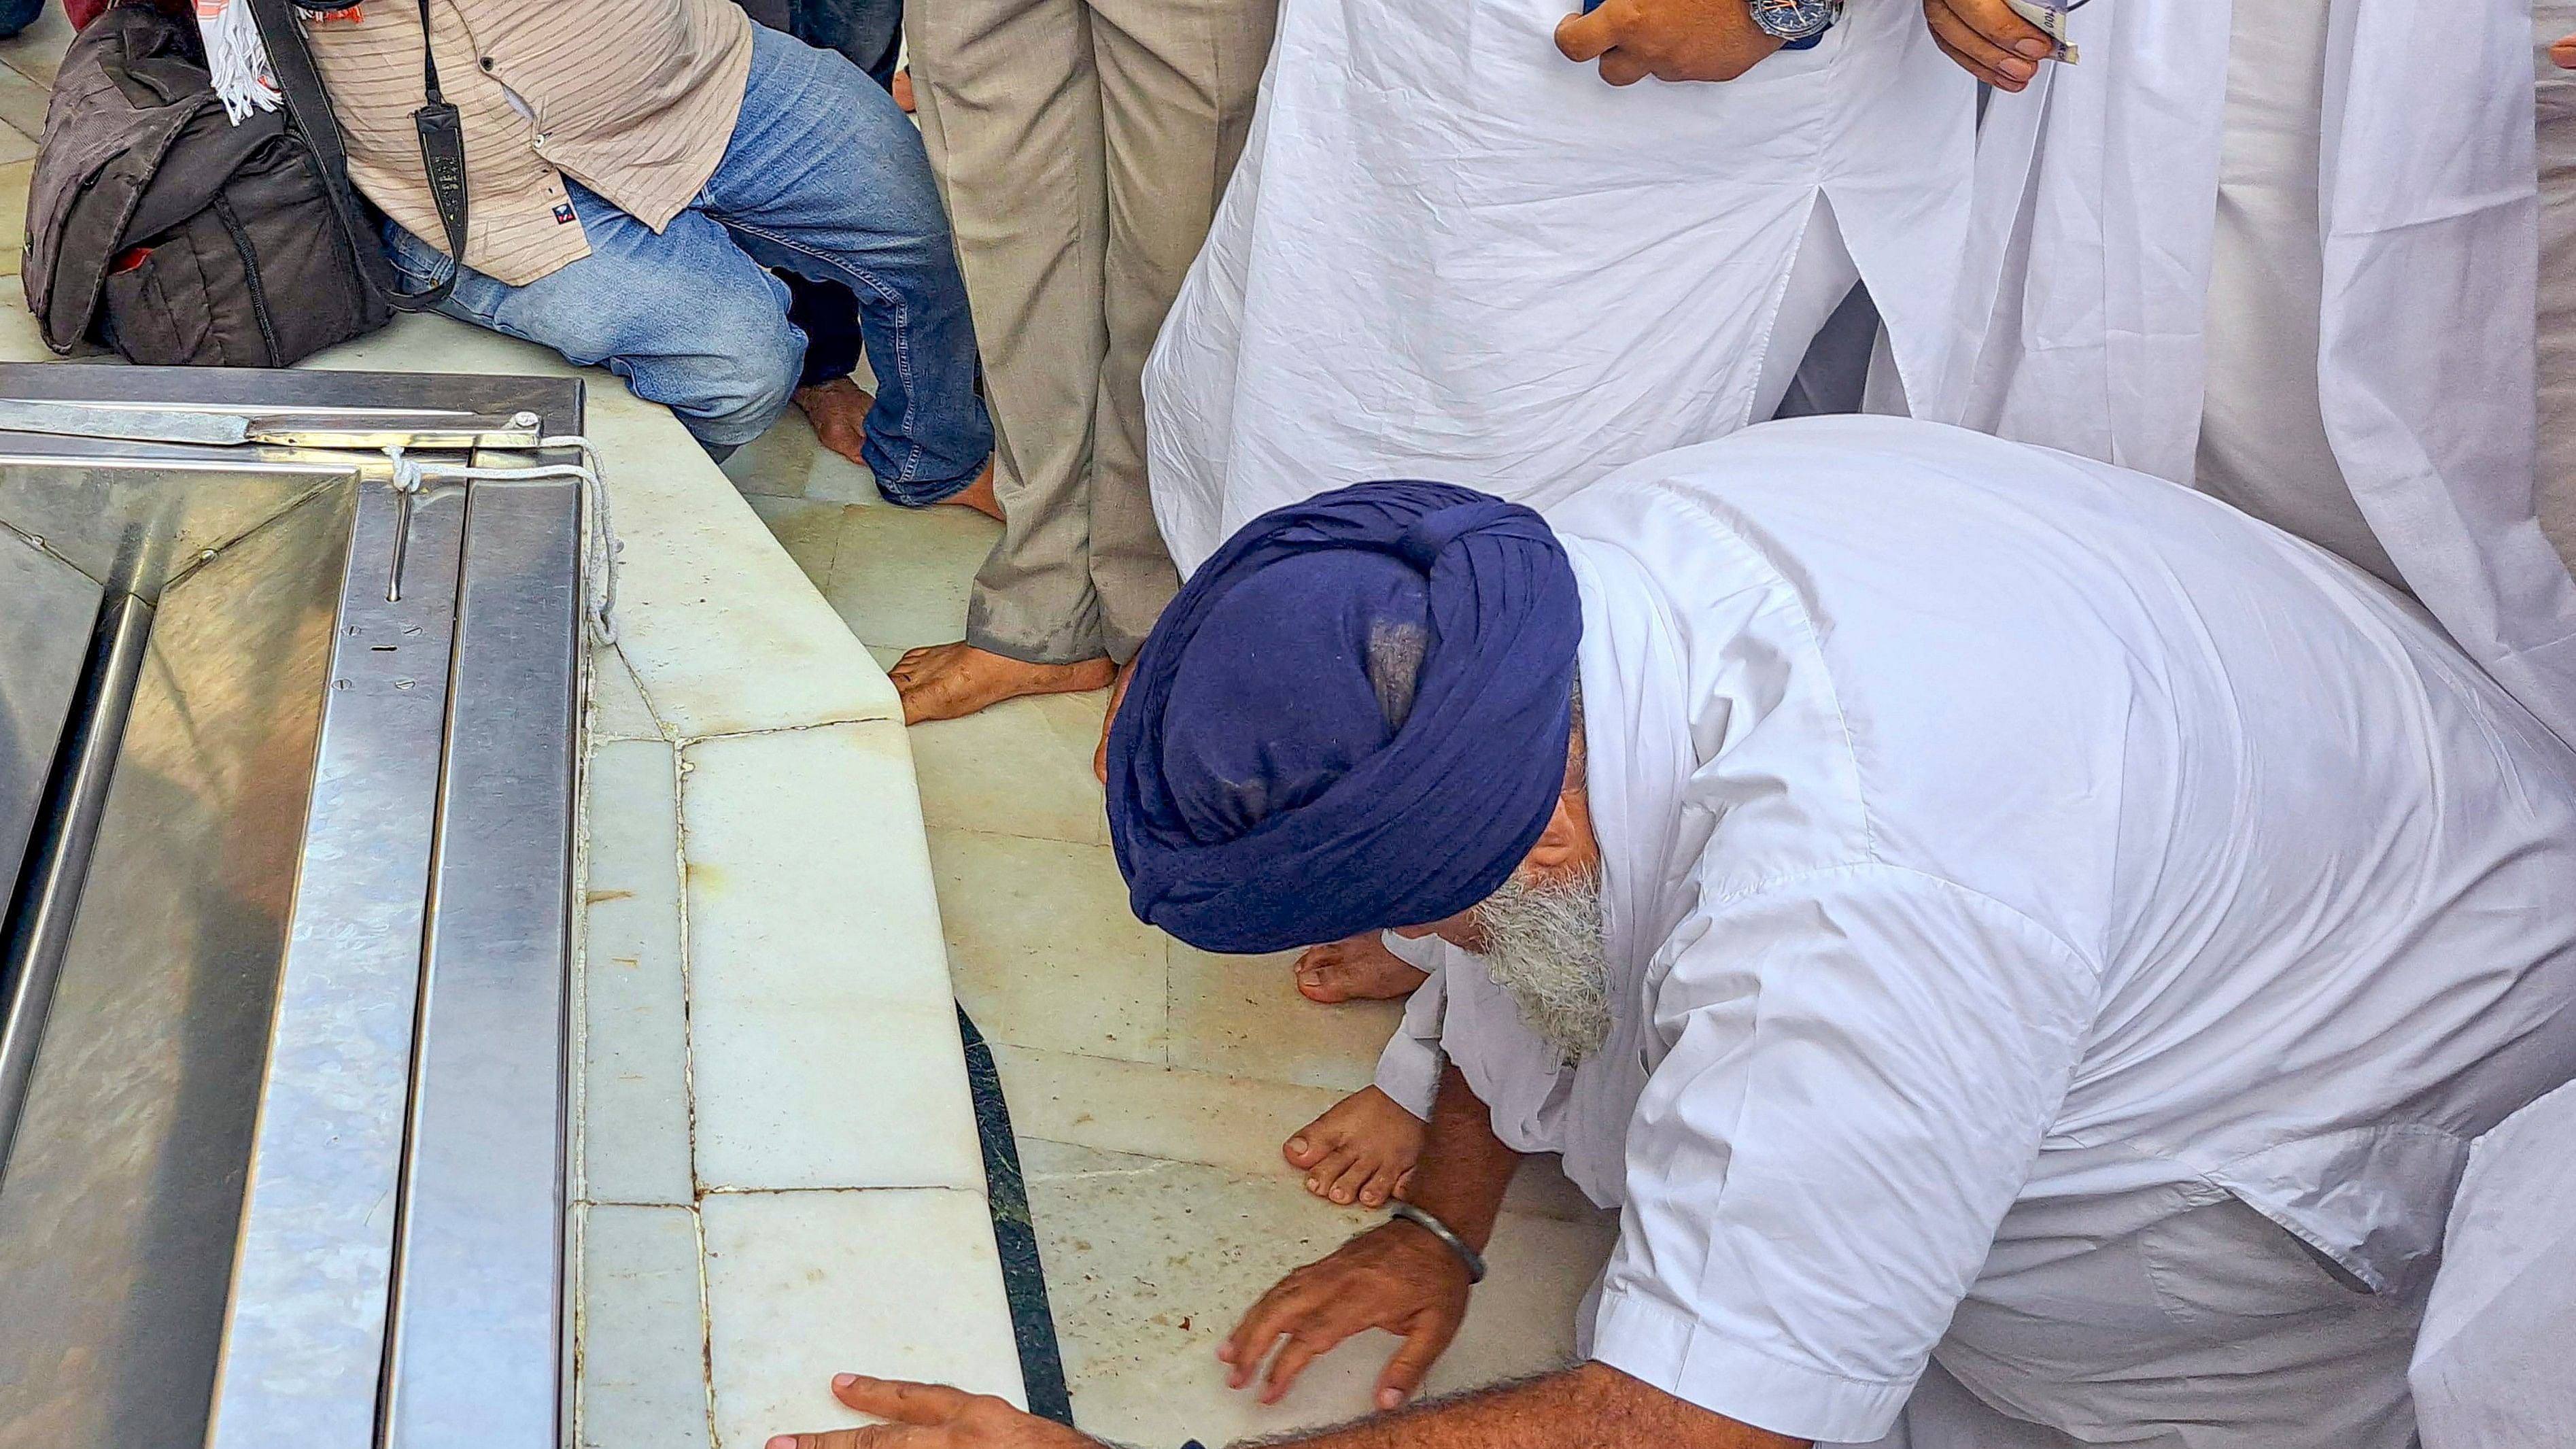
<point x="599" y="546"/>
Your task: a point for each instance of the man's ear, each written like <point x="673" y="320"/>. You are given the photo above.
<point x="1566" y="844"/>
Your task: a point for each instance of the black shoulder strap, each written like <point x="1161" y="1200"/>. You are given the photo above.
<point x="442" y="148"/>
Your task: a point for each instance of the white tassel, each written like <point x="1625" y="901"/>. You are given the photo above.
<point x="237" y="59"/>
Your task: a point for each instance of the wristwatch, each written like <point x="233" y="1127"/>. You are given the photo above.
<point x="1799" y="22"/>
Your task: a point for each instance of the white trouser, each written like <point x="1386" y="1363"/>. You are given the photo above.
<point x="2202" y="1327"/>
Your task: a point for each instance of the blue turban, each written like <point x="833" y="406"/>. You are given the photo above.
<point x="1270" y="788"/>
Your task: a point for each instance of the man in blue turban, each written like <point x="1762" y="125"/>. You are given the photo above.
<point x="2025" y="947"/>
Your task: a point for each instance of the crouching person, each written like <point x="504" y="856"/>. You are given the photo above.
<point x="2025" y="947"/>
<point x="634" y="167"/>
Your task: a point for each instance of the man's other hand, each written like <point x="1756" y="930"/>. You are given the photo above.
<point x="1673" y="40"/>
<point x="1988" y="40"/>
<point x="1396" y="1277"/>
<point x="933" y="1416"/>
<point x="2562" y="53"/>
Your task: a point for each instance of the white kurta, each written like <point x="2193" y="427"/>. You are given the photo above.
<point x="2393" y="420"/>
<point x="1450" y="253"/>
<point x="2017" y="868"/>
<point x="2492" y="1365"/>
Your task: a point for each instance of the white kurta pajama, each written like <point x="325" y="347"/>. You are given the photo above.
<point x="2287" y="250"/>
<point x="2058" y="926"/>
<point x="1449" y="253"/>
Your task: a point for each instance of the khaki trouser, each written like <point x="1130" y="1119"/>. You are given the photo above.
<point x="1082" y="146"/>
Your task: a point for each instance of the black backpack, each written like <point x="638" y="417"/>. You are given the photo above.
<point x="161" y="228"/>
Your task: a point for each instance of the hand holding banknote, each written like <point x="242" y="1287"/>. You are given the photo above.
<point x="1990" y="40"/>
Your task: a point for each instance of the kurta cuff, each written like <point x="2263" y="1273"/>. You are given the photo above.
<point x="1678" y="1354"/>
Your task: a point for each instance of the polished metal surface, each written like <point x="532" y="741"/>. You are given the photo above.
<point x="476" y="1314"/>
<point x="119" y="1203"/>
<point x="304" y="1336"/>
<point x="47" y="612"/>
<point x="48" y="901"/>
<point x="149" y="425"/>
<point x="343" y="428"/>
<point x="134" y="514"/>
<point x="289" y="1168"/>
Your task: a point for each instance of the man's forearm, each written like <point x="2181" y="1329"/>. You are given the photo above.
<point x="1589" y="1407"/>
<point x="1464" y="1168"/>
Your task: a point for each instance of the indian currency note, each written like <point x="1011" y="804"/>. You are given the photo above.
<point x="2050" y="17"/>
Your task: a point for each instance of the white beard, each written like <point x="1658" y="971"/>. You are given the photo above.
<point x="1543" y="944"/>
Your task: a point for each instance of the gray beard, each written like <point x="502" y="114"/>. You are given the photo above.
<point x="1543" y="944"/>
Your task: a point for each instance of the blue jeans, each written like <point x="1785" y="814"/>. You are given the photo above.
<point x="823" y="177"/>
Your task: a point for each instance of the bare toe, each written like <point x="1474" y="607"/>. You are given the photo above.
<point x="1358" y="968"/>
<point x="1303" y="1150"/>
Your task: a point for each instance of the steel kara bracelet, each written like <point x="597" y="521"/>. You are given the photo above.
<point x="1474" y="1260"/>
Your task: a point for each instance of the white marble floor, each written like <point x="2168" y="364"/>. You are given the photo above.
<point x="1150" y="1084"/>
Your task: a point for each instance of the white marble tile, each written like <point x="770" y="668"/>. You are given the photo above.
<point x="1151" y="1263"/>
<point x="634" y="1126"/>
<point x="1241" y="1016"/>
<point x="901" y="576"/>
<point x="16" y="145"/>
<point x="1232" y="1122"/>
<point x="774" y="464"/>
<point x="13" y="194"/>
<point x="418" y="342"/>
<point x="22" y="105"/>
<point x="20" y="341"/>
<point x="617" y="707"/>
<point x="900" y="1283"/>
<point x="809" y="531"/>
<point x="641" y="1382"/>
<point x="789" y="462"/>
<point x="823" y="1033"/>
<point x="1020" y="768"/>
<point x="723" y="630"/>
<point x="1042" y="947"/>
<point x="37" y="51"/>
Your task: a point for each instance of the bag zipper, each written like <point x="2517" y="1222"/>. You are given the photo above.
<point x="250" y="269"/>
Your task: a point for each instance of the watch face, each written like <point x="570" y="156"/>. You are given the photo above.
<point x="1793" y="19"/>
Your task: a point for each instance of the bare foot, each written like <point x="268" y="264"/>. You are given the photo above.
<point x="949" y="681"/>
<point x="902" y="89"/>
<point x="1361" y="1151"/>
<point x="839" y="412"/>
<point x="978" y="495"/>
<point x="1357" y="968"/>
<point x="1117" y="696"/>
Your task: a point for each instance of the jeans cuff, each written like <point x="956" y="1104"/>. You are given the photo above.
<point x="922" y="495"/>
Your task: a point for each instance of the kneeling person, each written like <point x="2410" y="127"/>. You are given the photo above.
<point x="2025" y="947"/>
<point x="633" y="168"/>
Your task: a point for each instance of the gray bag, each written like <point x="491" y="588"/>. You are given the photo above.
<point x="176" y="237"/>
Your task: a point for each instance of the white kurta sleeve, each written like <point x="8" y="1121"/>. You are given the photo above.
<point x="1862" y="1063"/>
<point x="1409" y="1069"/>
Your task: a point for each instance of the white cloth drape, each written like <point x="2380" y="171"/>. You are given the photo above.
<point x="1450" y="253"/>
<point x="2082" y="324"/>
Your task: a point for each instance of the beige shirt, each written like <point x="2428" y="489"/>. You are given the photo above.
<point x="634" y="98"/>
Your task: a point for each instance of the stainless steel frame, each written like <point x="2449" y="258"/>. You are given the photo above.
<point x="286" y="957"/>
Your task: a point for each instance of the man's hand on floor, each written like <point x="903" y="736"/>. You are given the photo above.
<point x="1673" y="40"/>
<point x="933" y="1416"/>
<point x="1396" y="1277"/>
<point x="1988" y="40"/>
